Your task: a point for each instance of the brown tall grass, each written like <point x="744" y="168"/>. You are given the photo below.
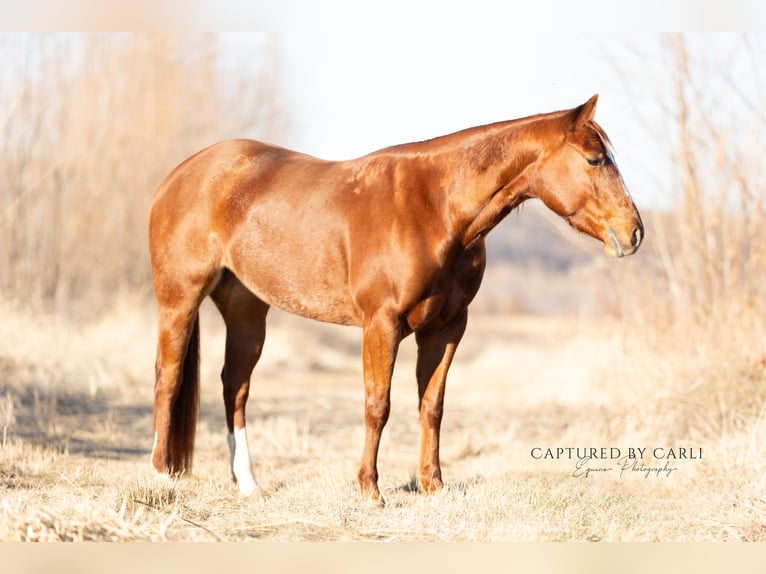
<point x="713" y="254"/>
<point x="692" y="309"/>
<point x="91" y="124"/>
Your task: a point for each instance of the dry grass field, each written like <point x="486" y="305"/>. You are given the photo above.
<point x="75" y="410"/>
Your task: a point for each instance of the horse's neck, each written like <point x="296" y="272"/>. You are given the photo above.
<point x="490" y="173"/>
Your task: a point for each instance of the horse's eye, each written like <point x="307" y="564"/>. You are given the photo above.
<point x="596" y="160"/>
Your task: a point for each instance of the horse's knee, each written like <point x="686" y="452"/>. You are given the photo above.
<point x="376" y="411"/>
<point x="431" y="413"/>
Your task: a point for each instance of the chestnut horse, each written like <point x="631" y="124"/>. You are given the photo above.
<point x="392" y="242"/>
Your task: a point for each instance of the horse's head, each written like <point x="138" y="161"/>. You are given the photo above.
<point x="580" y="182"/>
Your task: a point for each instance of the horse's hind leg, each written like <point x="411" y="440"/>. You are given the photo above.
<point x="245" y="318"/>
<point x="176" y="372"/>
<point x="176" y="388"/>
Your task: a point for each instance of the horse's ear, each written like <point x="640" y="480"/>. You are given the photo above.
<point x="585" y="112"/>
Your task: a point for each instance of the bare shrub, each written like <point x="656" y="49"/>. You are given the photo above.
<point x="714" y="256"/>
<point x="693" y="308"/>
<point x="91" y="125"/>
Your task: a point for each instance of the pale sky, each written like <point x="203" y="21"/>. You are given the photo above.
<point x="353" y="94"/>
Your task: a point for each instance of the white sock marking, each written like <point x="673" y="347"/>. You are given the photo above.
<point x="241" y="466"/>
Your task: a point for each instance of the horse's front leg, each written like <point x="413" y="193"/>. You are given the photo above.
<point x="380" y="343"/>
<point x="435" y="351"/>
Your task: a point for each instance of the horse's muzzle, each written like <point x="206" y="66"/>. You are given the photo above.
<point x="615" y="246"/>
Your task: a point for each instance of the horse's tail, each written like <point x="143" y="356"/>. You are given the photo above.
<point x="183" y="420"/>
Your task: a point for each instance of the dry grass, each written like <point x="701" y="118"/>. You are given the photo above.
<point x="75" y="456"/>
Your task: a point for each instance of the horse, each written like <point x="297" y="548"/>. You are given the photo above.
<point x="392" y="242"/>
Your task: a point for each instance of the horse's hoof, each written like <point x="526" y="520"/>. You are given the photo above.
<point x="248" y="488"/>
<point x="370" y="502"/>
<point x="373" y="498"/>
<point x="430" y="485"/>
<point x="163" y="478"/>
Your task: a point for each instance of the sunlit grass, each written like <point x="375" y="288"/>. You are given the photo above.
<point x="81" y="471"/>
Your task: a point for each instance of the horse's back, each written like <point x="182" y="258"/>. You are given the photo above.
<point x="217" y="187"/>
<point x="223" y="164"/>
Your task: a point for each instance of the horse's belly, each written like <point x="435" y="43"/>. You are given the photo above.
<point x="301" y="290"/>
<point x="293" y="266"/>
<point x="312" y="302"/>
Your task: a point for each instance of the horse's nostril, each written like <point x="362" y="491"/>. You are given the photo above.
<point x="635" y="237"/>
